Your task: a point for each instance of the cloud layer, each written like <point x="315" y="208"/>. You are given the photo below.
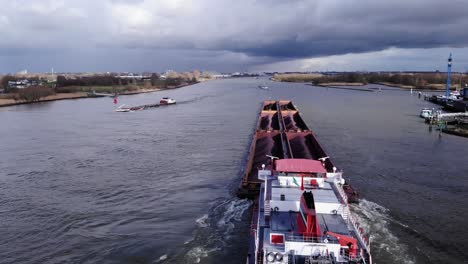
<point x="259" y="32"/>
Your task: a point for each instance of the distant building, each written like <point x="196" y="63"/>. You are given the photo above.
<point x="220" y="76"/>
<point x="23" y="72"/>
<point x="21" y="84"/>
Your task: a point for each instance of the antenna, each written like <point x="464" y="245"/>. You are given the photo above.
<point x="323" y="159"/>
<point x="272" y="158"/>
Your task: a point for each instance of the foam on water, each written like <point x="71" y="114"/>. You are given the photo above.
<point x="375" y="220"/>
<point x="216" y="228"/>
<point x="197" y="253"/>
<point x="203" y="221"/>
<point x="189" y="240"/>
<point x="162" y="258"/>
<point x="233" y="212"/>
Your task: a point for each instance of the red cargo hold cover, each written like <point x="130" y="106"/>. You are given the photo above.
<point x="300" y="165"/>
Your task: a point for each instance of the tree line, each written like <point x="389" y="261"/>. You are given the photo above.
<point x="418" y="80"/>
<point x="110" y="83"/>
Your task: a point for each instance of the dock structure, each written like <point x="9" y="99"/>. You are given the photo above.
<point x="451" y="116"/>
<point x="280" y="133"/>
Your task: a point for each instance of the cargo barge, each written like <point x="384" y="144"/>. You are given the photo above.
<point x="301" y="201"/>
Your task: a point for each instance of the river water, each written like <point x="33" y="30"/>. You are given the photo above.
<point x="80" y="183"/>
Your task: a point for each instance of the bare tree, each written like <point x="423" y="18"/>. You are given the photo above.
<point x="34" y="93"/>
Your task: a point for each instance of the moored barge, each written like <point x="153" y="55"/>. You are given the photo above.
<point x="301" y="201"/>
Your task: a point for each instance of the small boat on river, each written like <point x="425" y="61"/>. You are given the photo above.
<point x="167" y="101"/>
<point x="426" y="113"/>
<point x="123" y="108"/>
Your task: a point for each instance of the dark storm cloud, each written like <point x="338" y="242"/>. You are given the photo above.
<point x="257" y="31"/>
<point x="297" y="29"/>
<point x="363" y="26"/>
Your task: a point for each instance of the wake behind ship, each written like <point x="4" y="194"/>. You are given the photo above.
<point x="301" y="212"/>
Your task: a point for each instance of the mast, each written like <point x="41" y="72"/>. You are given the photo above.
<point x="449" y="73"/>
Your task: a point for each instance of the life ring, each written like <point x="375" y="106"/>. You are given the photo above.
<point x="270" y="257"/>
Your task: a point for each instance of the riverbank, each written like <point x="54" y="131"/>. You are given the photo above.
<point x="346" y="87"/>
<point x="407" y="80"/>
<point x="341" y="84"/>
<point x="458" y="131"/>
<point x="297" y="77"/>
<point x="55" y="97"/>
<point x="432" y="87"/>
<point x="81" y="95"/>
<point x="429" y="87"/>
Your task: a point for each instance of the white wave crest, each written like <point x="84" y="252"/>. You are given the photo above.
<point x="216" y="228"/>
<point x="196" y="253"/>
<point x="233" y="212"/>
<point x="162" y="258"/>
<point x="375" y="219"/>
<point x="203" y="221"/>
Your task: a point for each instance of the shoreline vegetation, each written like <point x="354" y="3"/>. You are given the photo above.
<point x="419" y="81"/>
<point x="90" y="86"/>
<point x="9" y="101"/>
<point x="331" y="84"/>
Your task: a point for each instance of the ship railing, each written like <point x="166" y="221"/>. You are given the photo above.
<point x="325" y="257"/>
<point x="311" y="239"/>
<point x="360" y="258"/>
<point x="358" y="229"/>
<point x="341" y="192"/>
<point x="311" y="175"/>
<point x="321" y="258"/>
<point x="344" y="252"/>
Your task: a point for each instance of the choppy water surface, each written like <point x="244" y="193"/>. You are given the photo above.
<point x="80" y="183"/>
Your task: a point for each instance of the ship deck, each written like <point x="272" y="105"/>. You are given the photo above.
<point x="280" y="132"/>
<point x="287" y="222"/>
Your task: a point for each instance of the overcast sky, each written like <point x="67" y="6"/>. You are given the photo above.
<point x="227" y="35"/>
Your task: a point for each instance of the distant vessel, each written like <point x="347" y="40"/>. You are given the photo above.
<point x="455" y="94"/>
<point x="426" y="113"/>
<point x="123" y="108"/>
<point x="264" y="87"/>
<point x="167" y="101"/>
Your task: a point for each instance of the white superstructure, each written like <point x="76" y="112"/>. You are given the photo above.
<point x="303" y="217"/>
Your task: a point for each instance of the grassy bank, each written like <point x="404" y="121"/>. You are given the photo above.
<point x="103" y="89"/>
<point x="435" y="86"/>
<point x="296" y="77"/>
<point x="426" y="81"/>
<point x="341" y="84"/>
<point x="59" y="96"/>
